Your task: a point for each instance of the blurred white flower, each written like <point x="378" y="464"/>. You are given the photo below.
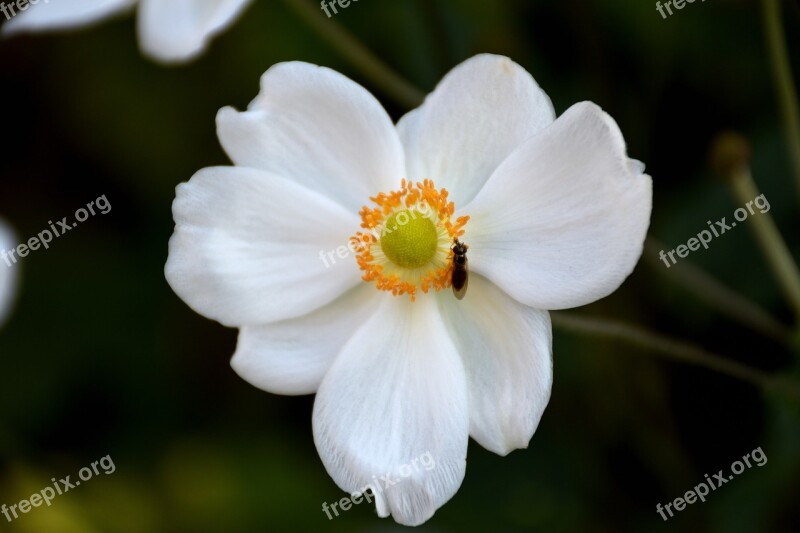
<point x="553" y="211"/>
<point x="8" y="273"/>
<point x="170" y="31"/>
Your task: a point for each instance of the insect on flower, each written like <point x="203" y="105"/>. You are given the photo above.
<point x="460" y="277"/>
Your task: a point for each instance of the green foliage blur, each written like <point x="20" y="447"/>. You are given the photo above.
<point x="101" y="358"/>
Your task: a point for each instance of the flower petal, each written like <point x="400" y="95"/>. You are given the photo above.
<point x="292" y="356"/>
<point x="248" y="247"/>
<point x="64" y="14"/>
<point x="507" y="351"/>
<point x="179" y="30"/>
<point x="480" y="112"/>
<point x="396" y="392"/>
<point x="317" y="127"/>
<point x="562" y="222"/>
<point x="8" y="272"/>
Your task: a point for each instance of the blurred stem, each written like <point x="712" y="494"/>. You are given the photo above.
<point x="784" y="83"/>
<point x="769" y="239"/>
<point x="717" y="295"/>
<point x="394" y="85"/>
<point x="677" y="350"/>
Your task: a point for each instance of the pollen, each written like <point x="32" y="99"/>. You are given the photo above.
<point x="406" y="245"/>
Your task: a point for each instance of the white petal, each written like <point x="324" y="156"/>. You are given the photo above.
<point x="64" y="14"/>
<point x="396" y="392"/>
<point x="480" y="112"/>
<point x="179" y="30"/>
<point x="248" y="246"/>
<point x="8" y="272"/>
<point x="562" y="222"/>
<point x="292" y="356"/>
<point x="507" y="350"/>
<point x="319" y="128"/>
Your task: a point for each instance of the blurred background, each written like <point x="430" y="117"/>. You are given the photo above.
<point x="100" y="357"/>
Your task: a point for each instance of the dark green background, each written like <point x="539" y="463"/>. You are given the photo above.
<point x="100" y="357"/>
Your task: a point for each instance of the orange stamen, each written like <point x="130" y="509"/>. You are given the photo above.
<point x="411" y="195"/>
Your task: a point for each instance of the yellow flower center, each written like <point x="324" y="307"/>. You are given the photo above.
<point x="407" y="246"/>
<point x="410" y="240"/>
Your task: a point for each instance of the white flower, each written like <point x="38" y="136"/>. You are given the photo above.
<point x="169" y="30"/>
<point x="8" y="273"/>
<point x="557" y="216"/>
